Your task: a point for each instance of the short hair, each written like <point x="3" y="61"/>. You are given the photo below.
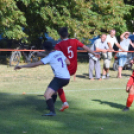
<point x="112" y="30"/>
<point x="103" y="35"/>
<point x="63" y="32"/>
<point x="48" y="46"/>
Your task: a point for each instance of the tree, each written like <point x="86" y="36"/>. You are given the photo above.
<point x="11" y="20"/>
<point x="130" y="18"/>
<point x="110" y="14"/>
<point x="84" y="18"/>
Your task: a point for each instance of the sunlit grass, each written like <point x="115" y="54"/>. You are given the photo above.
<point x="95" y="106"/>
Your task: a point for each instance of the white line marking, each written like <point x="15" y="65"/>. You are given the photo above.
<point x="94" y="89"/>
<point x="78" y="90"/>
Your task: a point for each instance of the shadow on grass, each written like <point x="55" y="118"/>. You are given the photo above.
<point x="84" y="76"/>
<point x="81" y="76"/>
<point x="22" y="114"/>
<point x="126" y="75"/>
<point x="114" y="105"/>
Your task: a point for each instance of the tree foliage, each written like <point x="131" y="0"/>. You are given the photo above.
<point x="11" y="20"/>
<point x="30" y="19"/>
<point x="130" y="18"/>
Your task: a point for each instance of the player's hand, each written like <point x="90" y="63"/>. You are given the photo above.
<point x="97" y="56"/>
<point x="17" y="67"/>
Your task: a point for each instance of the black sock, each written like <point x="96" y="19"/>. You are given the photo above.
<point x="50" y="105"/>
<point x="54" y="97"/>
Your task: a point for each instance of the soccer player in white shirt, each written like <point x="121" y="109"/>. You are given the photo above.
<point x="58" y="63"/>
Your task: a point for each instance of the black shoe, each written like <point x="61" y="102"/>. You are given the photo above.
<point x="126" y="109"/>
<point x="50" y="114"/>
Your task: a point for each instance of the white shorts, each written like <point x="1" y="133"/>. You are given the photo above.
<point x="106" y="63"/>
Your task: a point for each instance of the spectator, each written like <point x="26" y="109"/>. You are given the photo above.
<point x="125" y="42"/>
<point x="111" y="40"/>
<point x="100" y="45"/>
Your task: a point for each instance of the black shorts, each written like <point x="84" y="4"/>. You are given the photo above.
<point x="58" y="83"/>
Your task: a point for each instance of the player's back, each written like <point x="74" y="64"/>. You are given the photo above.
<point x="56" y="59"/>
<point x="69" y="48"/>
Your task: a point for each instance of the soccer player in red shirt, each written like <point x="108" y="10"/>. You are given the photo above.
<point x="69" y="48"/>
<point x="130" y="90"/>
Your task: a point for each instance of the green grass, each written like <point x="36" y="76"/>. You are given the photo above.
<point x="95" y="106"/>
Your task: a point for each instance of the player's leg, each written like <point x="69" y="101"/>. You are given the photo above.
<point x="57" y="85"/>
<point x="48" y="93"/>
<point x="91" y="68"/>
<point x="51" y="90"/>
<point x="62" y="96"/>
<point x="129" y="83"/>
<point x="54" y="97"/>
<point x="130" y="90"/>
<point x="130" y="98"/>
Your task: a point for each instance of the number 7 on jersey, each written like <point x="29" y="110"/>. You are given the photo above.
<point x="60" y="60"/>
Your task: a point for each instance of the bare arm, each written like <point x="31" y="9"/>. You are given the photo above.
<point x="90" y="51"/>
<point x="101" y="50"/>
<point x="110" y="46"/>
<point x="131" y="44"/>
<point x="118" y="45"/>
<point x="67" y="61"/>
<point x="31" y="65"/>
<point x="122" y="35"/>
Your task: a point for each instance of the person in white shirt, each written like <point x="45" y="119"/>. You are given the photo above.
<point x="58" y="63"/>
<point x="125" y="42"/>
<point x="111" y="40"/>
<point x="100" y="45"/>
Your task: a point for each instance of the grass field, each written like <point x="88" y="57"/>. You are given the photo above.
<point x="95" y="106"/>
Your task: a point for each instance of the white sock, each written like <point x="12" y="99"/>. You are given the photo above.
<point x="108" y="74"/>
<point x="103" y="76"/>
<point x="65" y="103"/>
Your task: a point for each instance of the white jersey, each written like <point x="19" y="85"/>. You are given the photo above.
<point x="56" y="59"/>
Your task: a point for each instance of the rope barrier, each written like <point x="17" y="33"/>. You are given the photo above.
<point x="20" y="50"/>
<point x="83" y="51"/>
<point x="44" y="50"/>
